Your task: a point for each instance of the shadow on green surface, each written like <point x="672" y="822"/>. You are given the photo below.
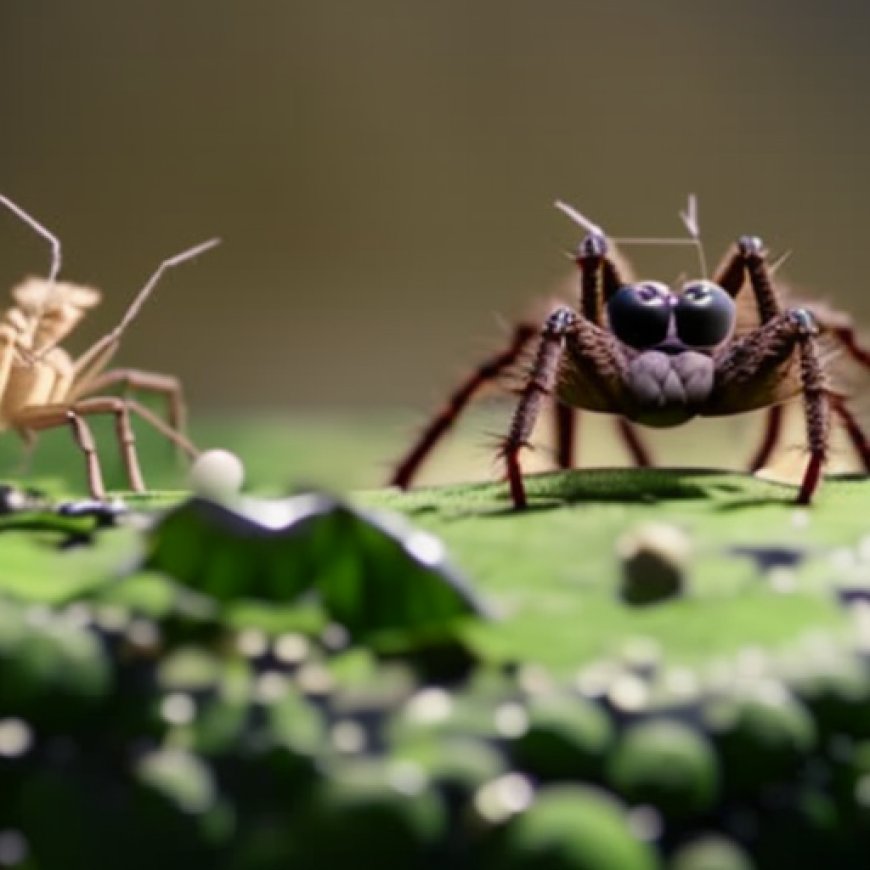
<point x="642" y="486"/>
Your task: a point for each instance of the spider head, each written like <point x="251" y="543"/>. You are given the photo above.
<point x="650" y="315"/>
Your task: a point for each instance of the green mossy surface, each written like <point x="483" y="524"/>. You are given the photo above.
<point x="553" y="571"/>
<point x="238" y="727"/>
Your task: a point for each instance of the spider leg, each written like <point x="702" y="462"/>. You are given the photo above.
<point x="816" y="414"/>
<point x="749" y="257"/>
<point x="853" y="429"/>
<point x="566" y="428"/>
<point x="599" y="280"/>
<point x="446" y="417"/>
<point x="600" y="277"/>
<point x="36" y="417"/>
<point x="846" y="336"/>
<point x="540" y="383"/>
<point x="772" y="432"/>
<point x="752" y="360"/>
<point x="39" y="417"/>
<point x="136" y="380"/>
<point x="639" y="452"/>
<point x="839" y="326"/>
<point x="145" y="382"/>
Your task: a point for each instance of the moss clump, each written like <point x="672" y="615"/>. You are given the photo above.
<point x="668" y="765"/>
<point x="573" y="828"/>
<point x="710" y="852"/>
<point x="567" y="738"/>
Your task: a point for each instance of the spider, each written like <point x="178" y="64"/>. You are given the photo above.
<point x="43" y="387"/>
<point x="657" y="356"/>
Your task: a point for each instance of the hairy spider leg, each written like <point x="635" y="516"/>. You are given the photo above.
<point x="565" y="422"/>
<point x="485" y="373"/>
<point x="540" y="384"/>
<point x="638" y="451"/>
<point x="756" y="355"/>
<point x="770" y="438"/>
<point x="599" y="280"/>
<point x="844" y="334"/>
<point x="749" y="257"/>
<point x="853" y="429"/>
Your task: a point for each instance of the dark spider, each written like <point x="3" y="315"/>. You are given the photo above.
<point x="658" y="357"/>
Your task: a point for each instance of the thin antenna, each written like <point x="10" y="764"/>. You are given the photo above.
<point x="136" y="305"/>
<point x="34" y="224"/>
<point x="689" y="218"/>
<point x="145" y="292"/>
<point x="777" y="264"/>
<point x="578" y="218"/>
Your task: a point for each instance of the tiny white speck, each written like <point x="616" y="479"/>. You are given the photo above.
<point x="348" y="737"/>
<point x="271" y="687"/>
<point x="291" y="648"/>
<point x="504" y="797"/>
<point x="629" y="693"/>
<point x="511" y="720"/>
<point x="178" y="708"/>
<point x="314" y="679"/>
<point x="16" y="738"/>
<point x="252" y="643"/>
<point x="425" y="547"/>
<point x="407" y="777"/>
<point x="430" y="706"/>
<point x="217" y="474"/>
<point x="143" y="633"/>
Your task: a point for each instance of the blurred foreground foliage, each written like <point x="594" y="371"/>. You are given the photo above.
<point x="300" y="682"/>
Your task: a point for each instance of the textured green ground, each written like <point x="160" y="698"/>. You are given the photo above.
<point x="693" y="725"/>
<point x="551" y="572"/>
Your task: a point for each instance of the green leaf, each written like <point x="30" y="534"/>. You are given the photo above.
<point x="372" y="573"/>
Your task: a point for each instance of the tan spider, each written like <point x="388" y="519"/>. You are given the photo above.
<point x="43" y="387"/>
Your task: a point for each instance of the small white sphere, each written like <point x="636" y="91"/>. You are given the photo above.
<point x="217" y="474"/>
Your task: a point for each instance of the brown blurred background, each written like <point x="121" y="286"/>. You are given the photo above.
<point x="382" y="172"/>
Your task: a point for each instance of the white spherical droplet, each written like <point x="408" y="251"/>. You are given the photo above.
<point x="217" y="473"/>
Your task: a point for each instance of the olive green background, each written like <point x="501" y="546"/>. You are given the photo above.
<point x="382" y="172"/>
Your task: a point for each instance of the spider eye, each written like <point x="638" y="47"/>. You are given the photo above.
<point x="705" y="314"/>
<point x="639" y="314"/>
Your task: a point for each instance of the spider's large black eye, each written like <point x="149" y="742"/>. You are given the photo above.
<point x="705" y="314"/>
<point x="639" y="314"/>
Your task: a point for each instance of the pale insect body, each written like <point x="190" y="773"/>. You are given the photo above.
<point x="43" y="387"/>
<point x="37" y="371"/>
